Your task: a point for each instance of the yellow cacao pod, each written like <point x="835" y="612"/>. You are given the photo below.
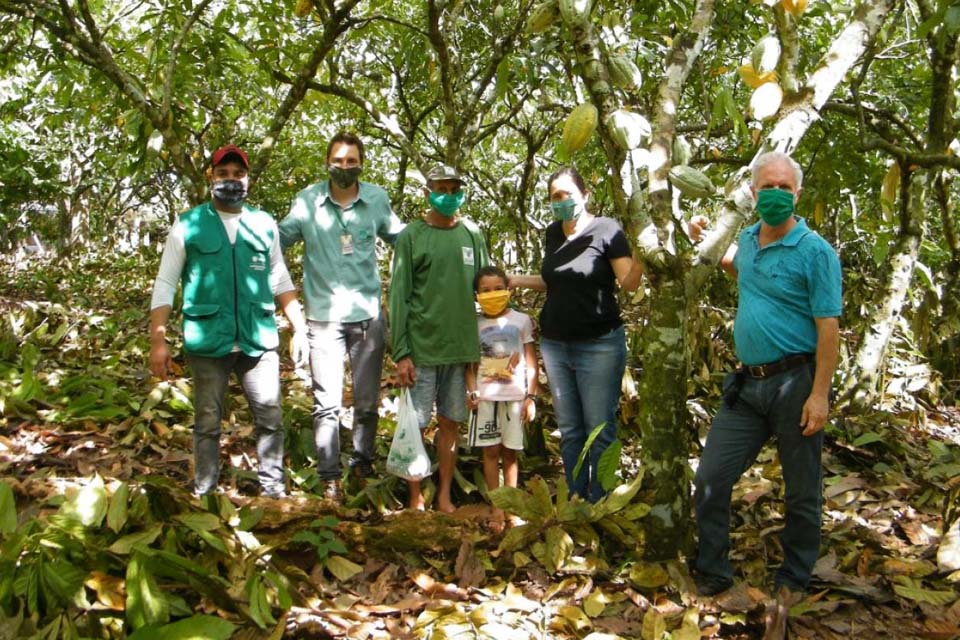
<point x="580" y="125"/>
<point x="624" y="73"/>
<point x="691" y="182"/>
<point x="628" y="129"/>
<point x="795" y="7"/>
<point x="753" y="79"/>
<point x="543" y="16"/>
<point x="303" y="8"/>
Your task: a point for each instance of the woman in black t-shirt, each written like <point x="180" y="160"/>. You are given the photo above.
<point x="582" y="336"/>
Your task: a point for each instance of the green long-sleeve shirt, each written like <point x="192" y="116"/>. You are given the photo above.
<point x="432" y="314"/>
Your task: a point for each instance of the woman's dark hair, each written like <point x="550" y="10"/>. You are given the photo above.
<point x="347" y="138"/>
<point x="572" y="173"/>
<point x="488" y="270"/>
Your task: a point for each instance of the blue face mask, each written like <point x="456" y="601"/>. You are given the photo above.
<point x="446" y="204"/>
<point x="565" y="209"/>
<point x="774" y="206"/>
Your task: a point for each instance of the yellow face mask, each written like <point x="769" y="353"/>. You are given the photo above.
<point x="492" y="303"/>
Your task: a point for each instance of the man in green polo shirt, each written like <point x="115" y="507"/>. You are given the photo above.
<point x="433" y="317"/>
<point x="339" y="220"/>
<point x="227" y="256"/>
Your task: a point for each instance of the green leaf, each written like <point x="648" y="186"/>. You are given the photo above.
<point x="911" y="590"/>
<point x="619" y="497"/>
<point x="867" y="438"/>
<point x="608" y="464"/>
<point x="559" y="547"/>
<point x="654" y="626"/>
<point x="342" y="568"/>
<point x="586" y="448"/>
<point x="125" y="545"/>
<point x="146" y="604"/>
<point x="649" y="575"/>
<point x="541" y="504"/>
<point x="60" y="580"/>
<point x="194" y="628"/>
<point x="117" y="512"/>
<point x="200" y="521"/>
<point x="8" y="509"/>
<point x="519" y="537"/>
<point x="259" y="605"/>
<point x="89" y="505"/>
<point x="515" y="501"/>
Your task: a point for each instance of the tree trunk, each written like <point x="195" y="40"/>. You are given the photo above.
<point x="861" y="387"/>
<point x="663" y="421"/>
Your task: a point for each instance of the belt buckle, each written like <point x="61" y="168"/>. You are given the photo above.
<point x="757" y="370"/>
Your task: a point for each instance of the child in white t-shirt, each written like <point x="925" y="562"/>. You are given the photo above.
<point x="501" y="390"/>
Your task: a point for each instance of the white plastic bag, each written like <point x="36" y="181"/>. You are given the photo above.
<point x="408" y="458"/>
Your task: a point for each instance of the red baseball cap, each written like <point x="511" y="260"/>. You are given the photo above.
<point x="231" y="149"/>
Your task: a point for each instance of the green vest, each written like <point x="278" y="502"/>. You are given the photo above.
<point x="227" y="298"/>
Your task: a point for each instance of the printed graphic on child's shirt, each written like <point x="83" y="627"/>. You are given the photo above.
<point x="501" y="369"/>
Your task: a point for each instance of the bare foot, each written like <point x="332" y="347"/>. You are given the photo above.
<point x="445" y="506"/>
<point x="416" y="503"/>
<point x="496" y="522"/>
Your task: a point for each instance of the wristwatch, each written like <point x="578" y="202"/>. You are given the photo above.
<point x="472" y="395"/>
<point x="530" y="396"/>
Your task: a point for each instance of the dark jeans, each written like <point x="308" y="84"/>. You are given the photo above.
<point x="765" y="407"/>
<point x="260" y="379"/>
<point x="585" y="378"/>
<point x="330" y="343"/>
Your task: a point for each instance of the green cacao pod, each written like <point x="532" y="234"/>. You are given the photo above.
<point x="766" y="54"/>
<point x="681" y="151"/>
<point x="624" y="73"/>
<point x="575" y="12"/>
<point x="691" y="182"/>
<point x="628" y="129"/>
<point x="543" y="16"/>
<point x="579" y="126"/>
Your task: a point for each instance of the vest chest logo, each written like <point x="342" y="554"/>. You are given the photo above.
<point x="258" y="262"/>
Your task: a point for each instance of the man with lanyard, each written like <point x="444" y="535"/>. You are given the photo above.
<point x="339" y="220"/>
<point x="227" y="255"/>
<point x="786" y="336"/>
<point x="433" y="317"/>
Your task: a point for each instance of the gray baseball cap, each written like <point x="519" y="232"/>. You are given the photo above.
<point x="443" y="172"/>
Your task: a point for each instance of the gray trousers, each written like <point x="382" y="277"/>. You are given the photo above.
<point x="330" y="343"/>
<point x="260" y="379"/>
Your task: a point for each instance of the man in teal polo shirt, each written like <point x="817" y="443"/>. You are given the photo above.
<point x="227" y="256"/>
<point x="786" y="336"/>
<point x="434" y="320"/>
<point x="339" y="220"/>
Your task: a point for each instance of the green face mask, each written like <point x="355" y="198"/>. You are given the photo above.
<point x="774" y="206"/>
<point x="446" y="204"/>
<point x="564" y="210"/>
<point x="344" y="178"/>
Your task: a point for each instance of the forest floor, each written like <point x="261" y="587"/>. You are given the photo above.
<point x="107" y="539"/>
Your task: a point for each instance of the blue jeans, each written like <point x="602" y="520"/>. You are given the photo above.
<point x="330" y="342"/>
<point x="585" y="378"/>
<point x="260" y="380"/>
<point x="765" y="408"/>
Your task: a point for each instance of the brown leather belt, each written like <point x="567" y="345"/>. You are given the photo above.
<point x="773" y="368"/>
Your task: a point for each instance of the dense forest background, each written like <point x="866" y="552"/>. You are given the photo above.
<point x="109" y="112"/>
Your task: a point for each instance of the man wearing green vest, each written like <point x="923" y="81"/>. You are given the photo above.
<point x="339" y="220"/>
<point x="227" y="256"/>
<point x="433" y="317"/>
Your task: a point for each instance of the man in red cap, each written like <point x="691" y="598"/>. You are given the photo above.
<point x="227" y="256"/>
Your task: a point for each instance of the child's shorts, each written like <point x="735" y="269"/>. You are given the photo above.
<point x="495" y="423"/>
